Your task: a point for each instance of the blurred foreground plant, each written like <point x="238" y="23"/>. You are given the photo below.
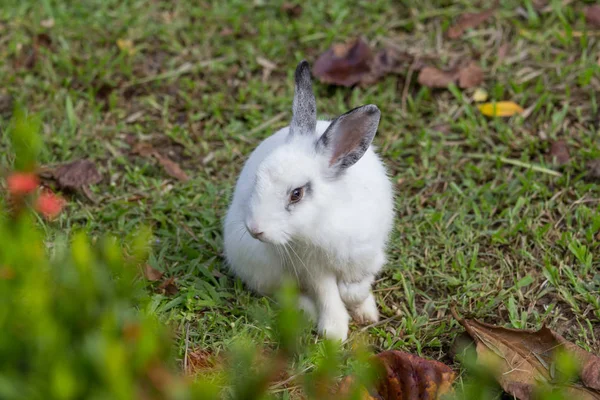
<point x="72" y="322"/>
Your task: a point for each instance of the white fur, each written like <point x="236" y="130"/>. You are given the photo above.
<point x="332" y="242"/>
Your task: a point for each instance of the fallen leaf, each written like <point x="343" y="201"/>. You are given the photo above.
<point x="151" y="273"/>
<point x="386" y="61"/>
<point x="468" y="21"/>
<point x="520" y="359"/>
<point x="169" y="287"/>
<point x="126" y="45"/>
<point x="559" y="152"/>
<point x="344" y="64"/>
<point x="291" y="9"/>
<point x="594" y="169"/>
<point x="405" y="376"/>
<point x="200" y="360"/>
<point x="592" y="15"/>
<point x="171" y="167"/>
<point x="480" y="95"/>
<point x="470" y="76"/>
<point x="500" y="109"/>
<point x="77" y="175"/>
<point x="435" y="78"/>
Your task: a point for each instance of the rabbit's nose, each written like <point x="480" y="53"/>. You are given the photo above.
<point x="254" y="231"/>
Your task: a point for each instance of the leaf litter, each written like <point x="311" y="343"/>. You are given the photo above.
<point x="405" y="376"/>
<point x="355" y="63"/>
<point x="470" y="20"/>
<point x="521" y="359"/>
<point x="171" y="167"/>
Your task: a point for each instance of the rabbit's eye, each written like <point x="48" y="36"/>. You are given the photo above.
<point x="296" y="195"/>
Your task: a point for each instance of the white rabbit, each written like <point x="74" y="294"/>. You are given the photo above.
<point x="314" y="203"/>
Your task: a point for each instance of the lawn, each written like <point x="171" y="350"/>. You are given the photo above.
<point x="486" y="222"/>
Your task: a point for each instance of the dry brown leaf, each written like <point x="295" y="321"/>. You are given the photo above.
<point x="201" y="361"/>
<point x="77" y="174"/>
<point x="386" y="61"/>
<point x="169" y="286"/>
<point x="291" y="9"/>
<point x="592" y="15"/>
<point x="435" y="78"/>
<point x="520" y="359"/>
<point x="468" y="21"/>
<point x="344" y="64"/>
<point x="406" y="376"/>
<point x="151" y="273"/>
<point x="559" y="152"/>
<point x="470" y="76"/>
<point x="171" y="167"/>
<point x="593" y="169"/>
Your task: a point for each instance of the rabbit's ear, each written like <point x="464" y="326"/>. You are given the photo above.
<point x="349" y="136"/>
<point x="304" y="108"/>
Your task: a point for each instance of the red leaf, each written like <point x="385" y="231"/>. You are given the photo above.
<point x="21" y="183"/>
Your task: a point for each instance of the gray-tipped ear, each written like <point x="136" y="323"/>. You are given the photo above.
<point x="349" y="136"/>
<point x="304" y="107"/>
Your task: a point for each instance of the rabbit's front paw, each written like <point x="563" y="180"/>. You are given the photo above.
<point x="333" y="327"/>
<point x="366" y="312"/>
<point x="307" y="305"/>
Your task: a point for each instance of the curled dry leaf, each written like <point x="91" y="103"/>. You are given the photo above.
<point x="500" y="109"/>
<point x="344" y="64"/>
<point x="519" y="359"/>
<point x="468" y="21"/>
<point x="592" y="15"/>
<point x="406" y="376"/>
<point x="559" y="152"/>
<point x="77" y="174"/>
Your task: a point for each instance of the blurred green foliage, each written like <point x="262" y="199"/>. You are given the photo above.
<point x="74" y="324"/>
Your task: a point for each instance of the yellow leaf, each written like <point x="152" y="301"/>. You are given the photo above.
<point x="500" y="109"/>
<point x="126" y="45"/>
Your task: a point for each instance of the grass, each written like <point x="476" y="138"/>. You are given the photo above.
<point x="481" y="224"/>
